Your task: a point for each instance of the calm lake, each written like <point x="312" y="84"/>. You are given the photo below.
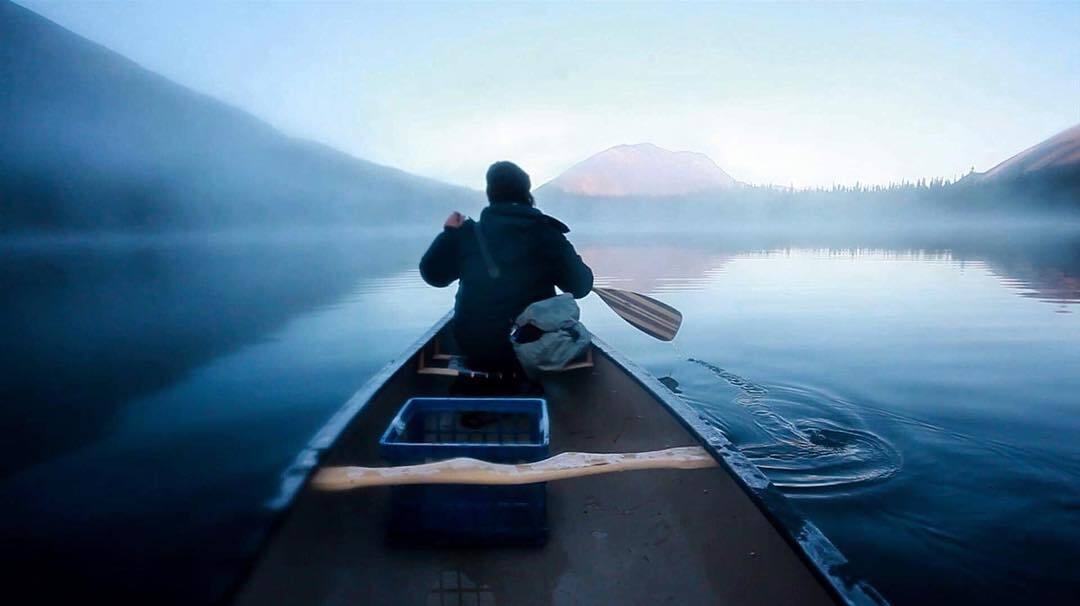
<point x="916" y="394"/>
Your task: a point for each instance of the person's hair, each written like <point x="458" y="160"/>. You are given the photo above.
<point x="507" y="183"/>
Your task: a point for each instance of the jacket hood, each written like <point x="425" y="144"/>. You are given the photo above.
<point x="520" y="215"/>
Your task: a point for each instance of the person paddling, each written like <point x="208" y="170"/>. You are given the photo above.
<point x="513" y="256"/>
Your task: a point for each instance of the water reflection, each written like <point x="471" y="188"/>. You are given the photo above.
<point x="1047" y="284"/>
<point x="90" y="324"/>
<point x="158" y="495"/>
<point x="1045" y="267"/>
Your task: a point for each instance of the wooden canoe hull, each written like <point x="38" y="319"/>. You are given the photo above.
<point x="706" y="536"/>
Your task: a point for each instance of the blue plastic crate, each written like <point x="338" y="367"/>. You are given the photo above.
<point x="431" y="429"/>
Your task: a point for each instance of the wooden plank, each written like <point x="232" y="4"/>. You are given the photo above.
<point x="464" y="470"/>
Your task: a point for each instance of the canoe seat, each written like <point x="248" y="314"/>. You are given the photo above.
<point x="435" y="360"/>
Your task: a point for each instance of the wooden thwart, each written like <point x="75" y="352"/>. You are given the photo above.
<point x="473" y="471"/>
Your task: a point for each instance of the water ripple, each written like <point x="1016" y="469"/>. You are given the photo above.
<point x="807" y="442"/>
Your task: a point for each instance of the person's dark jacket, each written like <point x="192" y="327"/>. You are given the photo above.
<point x="532" y="257"/>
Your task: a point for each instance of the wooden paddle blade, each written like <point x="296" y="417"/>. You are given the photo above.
<point x="648" y="315"/>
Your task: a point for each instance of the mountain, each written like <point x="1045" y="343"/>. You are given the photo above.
<point x="1060" y="153"/>
<point x="642" y="170"/>
<point x="1053" y="164"/>
<point x="91" y="140"/>
<point x="1045" y="176"/>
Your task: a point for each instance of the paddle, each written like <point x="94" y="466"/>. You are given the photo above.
<point x="473" y="471"/>
<point x="646" y="314"/>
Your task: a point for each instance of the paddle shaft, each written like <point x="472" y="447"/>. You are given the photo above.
<point x="473" y="471"/>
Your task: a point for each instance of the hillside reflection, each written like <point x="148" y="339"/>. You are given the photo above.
<point x="90" y="325"/>
<point x="1045" y="267"/>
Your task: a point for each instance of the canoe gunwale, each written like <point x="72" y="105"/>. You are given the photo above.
<point x="816" y="550"/>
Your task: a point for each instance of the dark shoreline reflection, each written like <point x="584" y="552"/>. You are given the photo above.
<point x="1040" y="262"/>
<point x="90" y="324"/>
<point x="1047" y="270"/>
<point x="96" y="325"/>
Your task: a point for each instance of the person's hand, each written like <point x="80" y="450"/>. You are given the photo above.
<point x="455" y="220"/>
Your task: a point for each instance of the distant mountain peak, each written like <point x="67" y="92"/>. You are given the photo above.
<point x="1060" y="152"/>
<point x="642" y="169"/>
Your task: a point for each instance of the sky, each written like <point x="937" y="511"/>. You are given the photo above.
<point x="783" y="93"/>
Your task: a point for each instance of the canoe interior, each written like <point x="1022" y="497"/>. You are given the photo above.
<point x="649" y="537"/>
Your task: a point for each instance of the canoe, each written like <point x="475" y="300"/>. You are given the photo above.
<point x="722" y="535"/>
